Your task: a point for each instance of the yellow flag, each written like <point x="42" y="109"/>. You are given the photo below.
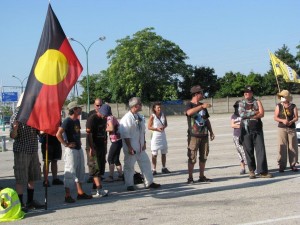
<point x="281" y="69"/>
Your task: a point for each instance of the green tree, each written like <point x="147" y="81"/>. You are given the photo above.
<point x="145" y="65"/>
<point x="203" y="76"/>
<point x="231" y="85"/>
<point x="99" y="88"/>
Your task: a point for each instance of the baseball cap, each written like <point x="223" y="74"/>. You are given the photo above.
<point x="196" y="89"/>
<point x="73" y="105"/>
<point x="248" y="88"/>
<point x="105" y="110"/>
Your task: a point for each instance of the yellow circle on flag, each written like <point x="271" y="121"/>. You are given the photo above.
<point x="52" y="67"/>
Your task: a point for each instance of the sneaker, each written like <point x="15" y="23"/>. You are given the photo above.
<point x="34" y="205"/>
<point x="265" y="175"/>
<point x="57" y="182"/>
<point x="90" y="180"/>
<point x="242" y="172"/>
<point x="69" y="199"/>
<point x="101" y="193"/>
<point x="165" y="170"/>
<point x="252" y="175"/>
<point x="130" y="188"/>
<point x="154" y="185"/>
<point x="154" y="172"/>
<point x="204" y="179"/>
<point x="84" y="196"/>
<point x="109" y="179"/>
<point x="44" y="184"/>
<point x="190" y="180"/>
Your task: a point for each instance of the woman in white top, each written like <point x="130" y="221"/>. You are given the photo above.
<point x="157" y="124"/>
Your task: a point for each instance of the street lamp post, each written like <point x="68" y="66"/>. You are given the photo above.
<point x="87" y="66"/>
<point x="21" y="81"/>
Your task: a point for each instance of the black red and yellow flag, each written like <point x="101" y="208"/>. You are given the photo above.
<point x="54" y="72"/>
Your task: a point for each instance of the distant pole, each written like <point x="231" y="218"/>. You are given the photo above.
<point x="87" y="67"/>
<point x="21" y="81"/>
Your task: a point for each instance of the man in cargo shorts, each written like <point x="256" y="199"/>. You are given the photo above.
<point x="198" y="128"/>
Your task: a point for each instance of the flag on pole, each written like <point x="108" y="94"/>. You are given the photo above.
<point x="282" y="69"/>
<point x="54" y="72"/>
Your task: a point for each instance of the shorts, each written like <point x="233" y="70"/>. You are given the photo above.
<point x="54" y="152"/>
<point x="195" y="143"/>
<point x="74" y="166"/>
<point x="27" y="167"/>
<point x="163" y="151"/>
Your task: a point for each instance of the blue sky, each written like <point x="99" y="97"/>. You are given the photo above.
<point x="227" y="35"/>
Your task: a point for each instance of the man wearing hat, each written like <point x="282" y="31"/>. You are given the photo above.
<point x="286" y="114"/>
<point x="74" y="157"/>
<point x="251" y="111"/>
<point x="199" y="128"/>
<point x="97" y="142"/>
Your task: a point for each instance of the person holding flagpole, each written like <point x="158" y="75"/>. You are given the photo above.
<point x="27" y="167"/>
<point x="286" y="114"/>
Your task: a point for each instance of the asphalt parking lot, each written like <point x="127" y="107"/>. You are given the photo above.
<point x="230" y="199"/>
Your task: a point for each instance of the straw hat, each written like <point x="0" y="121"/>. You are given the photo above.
<point x="285" y="94"/>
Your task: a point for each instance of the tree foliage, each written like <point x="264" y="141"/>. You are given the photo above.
<point x="153" y="68"/>
<point x="145" y="65"/>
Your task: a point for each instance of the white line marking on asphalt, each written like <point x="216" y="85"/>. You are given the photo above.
<point x="272" y="220"/>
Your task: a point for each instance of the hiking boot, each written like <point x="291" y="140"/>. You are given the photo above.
<point x="265" y="175"/>
<point x="44" y="184"/>
<point x="101" y="193"/>
<point x="130" y="188"/>
<point x="204" y="179"/>
<point x="242" y="172"/>
<point x="109" y="179"/>
<point x="57" y="182"/>
<point x="252" y="175"/>
<point x="69" y="199"/>
<point x="84" y="196"/>
<point x="154" y="172"/>
<point x="153" y="185"/>
<point x="34" y="205"/>
<point x="165" y="170"/>
<point x="190" y="180"/>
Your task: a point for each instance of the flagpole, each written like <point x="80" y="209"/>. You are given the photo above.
<point x="273" y="66"/>
<point x="46" y="173"/>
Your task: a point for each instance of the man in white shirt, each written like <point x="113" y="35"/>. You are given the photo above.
<point x="132" y="129"/>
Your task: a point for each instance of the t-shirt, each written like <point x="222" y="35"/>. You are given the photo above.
<point x="72" y="131"/>
<point x="97" y="126"/>
<point x="197" y="125"/>
<point x="237" y="120"/>
<point x="115" y="135"/>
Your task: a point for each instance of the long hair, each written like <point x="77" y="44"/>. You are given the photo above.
<point x="154" y="105"/>
<point x="236" y="108"/>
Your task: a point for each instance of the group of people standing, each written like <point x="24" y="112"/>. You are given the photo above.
<point x="129" y="134"/>
<point x="248" y="133"/>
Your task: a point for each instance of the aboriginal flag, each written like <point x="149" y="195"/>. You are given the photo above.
<point x="54" y="72"/>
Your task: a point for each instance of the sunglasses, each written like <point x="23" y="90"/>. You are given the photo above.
<point x="98" y="105"/>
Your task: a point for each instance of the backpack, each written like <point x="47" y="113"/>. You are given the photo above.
<point x="138" y="178"/>
<point x="10" y="207"/>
